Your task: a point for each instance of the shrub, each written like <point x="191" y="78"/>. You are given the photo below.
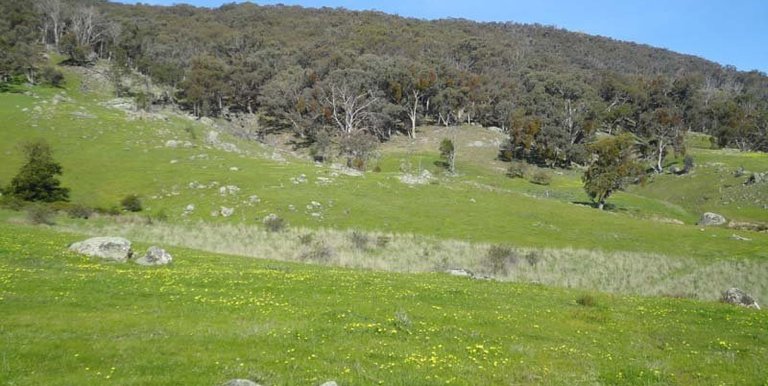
<point x="52" y="76"/>
<point x="359" y="240"/>
<point x="687" y="164"/>
<point x="532" y="258"/>
<point x="131" y="203"/>
<point x="377" y="169"/>
<point x="79" y="211"/>
<point x="383" y="241"/>
<point x="36" y="180"/>
<point x="541" y="177"/>
<point x="499" y="258"/>
<point x="8" y="201"/>
<point x="306" y="239"/>
<point x="586" y="301"/>
<point x="318" y="252"/>
<point x="516" y="170"/>
<point x="40" y="214"/>
<point x="273" y="223"/>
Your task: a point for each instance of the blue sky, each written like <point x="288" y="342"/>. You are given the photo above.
<point x="731" y="32"/>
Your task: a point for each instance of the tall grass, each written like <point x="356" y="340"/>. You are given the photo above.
<point x="615" y="272"/>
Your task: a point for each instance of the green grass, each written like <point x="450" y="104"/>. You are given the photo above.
<point x="208" y="318"/>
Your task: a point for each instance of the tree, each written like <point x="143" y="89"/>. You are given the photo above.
<point x="448" y="155"/>
<point x="613" y="166"/>
<point x="36" y="180"/>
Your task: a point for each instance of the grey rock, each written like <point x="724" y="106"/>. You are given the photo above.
<point x="460" y="272"/>
<point x="711" y="219"/>
<point x="226" y="212"/>
<point x="240" y="382"/>
<point x="738" y="297"/>
<point x="330" y="383"/>
<point x="757" y="178"/>
<point x="107" y="248"/>
<point x="155" y="256"/>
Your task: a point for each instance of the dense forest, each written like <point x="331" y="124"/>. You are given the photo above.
<point x="353" y="79"/>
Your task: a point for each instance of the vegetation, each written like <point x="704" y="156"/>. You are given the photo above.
<point x="448" y="155"/>
<point x="78" y="321"/>
<point x="614" y="166"/>
<point x="36" y="180"/>
<point x="131" y="203"/>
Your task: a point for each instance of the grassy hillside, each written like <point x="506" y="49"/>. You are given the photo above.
<point x="108" y="153"/>
<point x="208" y="318"/>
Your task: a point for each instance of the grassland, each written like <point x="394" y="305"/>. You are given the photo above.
<point x="208" y="318"/>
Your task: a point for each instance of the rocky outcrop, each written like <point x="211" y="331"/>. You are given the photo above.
<point x="155" y="256"/>
<point x="738" y="297"/>
<point x="711" y="219"/>
<point x="115" y="249"/>
<point x="240" y="382"/>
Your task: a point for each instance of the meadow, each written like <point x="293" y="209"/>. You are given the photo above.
<point x="207" y="318"/>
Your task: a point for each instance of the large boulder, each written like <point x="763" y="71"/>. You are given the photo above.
<point x="738" y="297"/>
<point x="108" y="248"/>
<point x="711" y="219"/>
<point x="155" y="256"/>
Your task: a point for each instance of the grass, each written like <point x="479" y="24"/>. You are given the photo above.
<point x="208" y="318"/>
<point x="616" y="272"/>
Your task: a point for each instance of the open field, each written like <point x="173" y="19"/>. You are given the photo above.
<point x="208" y="318"/>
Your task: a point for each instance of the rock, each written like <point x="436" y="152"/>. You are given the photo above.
<point x="711" y="219"/>
<point x="757" y="178"/>
<point x="226" y="212"/>
<point x="155" y="256"/>
<point x="330" y="383"/>
<point x="460" y="272"/>
<point x="188" y="210"/>
<point x="738" y="297"/>
<point x="115" y="249"/>
<point x="240" y="382"/>
<point x="674" y="169"/>
<point x="424" y="178"/>
<point x="229" y="190"/>
<point x="172" y="143"/>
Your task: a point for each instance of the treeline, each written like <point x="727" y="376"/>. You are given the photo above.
<point x="356" y="78"/>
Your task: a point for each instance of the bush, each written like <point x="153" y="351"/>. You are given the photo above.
<point x="273" y="223"/>
<point x="36" y="180"/>
<point x="499" y="258"/>
<point x="79" y="211"/>
<point x="306" y="239"/>
<point x="383" y="241"/>
<point x="532" y="258"/>
<point x="319" y="253"/>
<point x="541" y="177"/>
<point x="40" y="215"/>
<point x="359" y="240"/>
<point x="8" y="201"/>
<point x="131" y="203"/>
<point x="517" y="170"/>
<point x="687" y="164"/>
<point x="52" y="76"/>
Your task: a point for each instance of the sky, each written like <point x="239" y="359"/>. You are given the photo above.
<point x="733" y="32"/>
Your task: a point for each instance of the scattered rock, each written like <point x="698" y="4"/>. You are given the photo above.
<point x="212" y="139"/>
<point x="748" y="226"/>
<point x="83" y="115"/>
<point x="323" y="181"/>
<point x="226" y="212"/>
<point x="738" y="297"/>
<point x="240" y="382"/>
<point x="234" y="169"/>
<point x="108" y="248"/>
<point x="155" y="256"/>
<point x="254" y="199"/>
<point x="347" y="171"/>
<point x="409" y="179"/>
<point x="711" y="219"/>
<point x="330" y="383"/>
<point x="460" y="272"/>
<point x="302" y="179"/>
<point x="757" y="178"/>
<point x="229" y="190"/>
<point x="172" y="143"/>
<point x="188" y="210"/>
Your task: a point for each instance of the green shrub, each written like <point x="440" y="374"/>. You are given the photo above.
<point x="359" y="240"/>
<point x="273" y="223"/>
<point x="8" y="201"/>
<point x="383" y="241"/>
<point x="40" y="214"/>
<point x="79" y="211"/>
<point x="517" y="169"/>
<point x="541" y="177"/>
<point x="306" y="239"/>
<point x="51" y="76"/>
<point x="319" y="253"/>
<point x="499" y="258"/>
<point x="688" y="164"/>
<point x="131" y="203"/>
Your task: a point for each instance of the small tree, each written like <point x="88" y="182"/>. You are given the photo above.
<point x="612" y="167"/>
<point x="131" y="203"/>
<point x="36" y="180"/>
<point x="448" y="155"/>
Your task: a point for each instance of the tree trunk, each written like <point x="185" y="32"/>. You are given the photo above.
<point x="660" y="157"/>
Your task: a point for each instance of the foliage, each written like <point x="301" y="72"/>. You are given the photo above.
<point x="52" y="76"/>
<point x="614" y="166"/>
<point x="36" y="180"/>
<point x="688" y="163"/>
<point x="586" y="301"/>
<point x="80" y="211"/>
<point x="541" y="177"/>
<point x="131" y="203"/>
<point x="448" y="155"/>
<point x="500" y="258"/>
<point x="274" y="223"/>
<point x="517" y="169"/>
<point x="40" y="214"/>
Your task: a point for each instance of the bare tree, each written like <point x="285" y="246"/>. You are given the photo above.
<point x="86" y="25"/>
<point x="349" y="102"/>
<point x="53" y="20"/>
